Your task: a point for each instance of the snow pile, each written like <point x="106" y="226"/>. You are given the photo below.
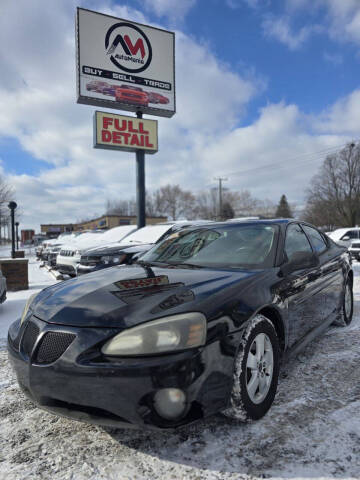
<point x="312" y="430"/>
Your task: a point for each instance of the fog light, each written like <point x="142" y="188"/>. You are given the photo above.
<point x="170" y="403"/>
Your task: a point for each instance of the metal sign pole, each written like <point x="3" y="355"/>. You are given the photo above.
<point x="140" y="184"/>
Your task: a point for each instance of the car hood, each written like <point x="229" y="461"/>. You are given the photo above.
<point x="117" y="248"/>
<point x="125" y="296"/>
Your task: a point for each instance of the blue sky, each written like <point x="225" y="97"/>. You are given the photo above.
<point x="259" y="83"/>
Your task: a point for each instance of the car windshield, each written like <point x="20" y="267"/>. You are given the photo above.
<point x="238" y="246"/>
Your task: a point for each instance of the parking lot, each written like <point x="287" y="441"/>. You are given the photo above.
<point x="312" y="430"/>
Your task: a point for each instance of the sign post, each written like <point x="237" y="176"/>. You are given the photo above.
<point x="140" y="185"/>
<point x="128" y="66"/>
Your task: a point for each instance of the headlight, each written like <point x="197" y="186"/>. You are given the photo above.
<point x="176" y="332"/>
<point x="107" y="259"/>
<point x="27" y="306"/>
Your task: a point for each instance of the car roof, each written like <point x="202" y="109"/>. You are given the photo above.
<point x="267" y="221"/>
<point x="336" y="234"/>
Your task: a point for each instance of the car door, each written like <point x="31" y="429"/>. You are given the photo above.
<point x="330" y="282"/>
<point x="300" y="288"/>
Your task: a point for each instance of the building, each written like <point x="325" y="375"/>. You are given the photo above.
<point x="110" y="221"/>
<point x="27" y="236"/>
<point x="53" y="230"/>
<point x="103" y="223"/>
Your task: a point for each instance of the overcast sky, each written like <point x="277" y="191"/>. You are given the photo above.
<point x="265" y="88"/>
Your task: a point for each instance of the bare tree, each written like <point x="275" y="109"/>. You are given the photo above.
<point x="175" y="202"/>
<point x="6" y="194"/>
<point x="120" y="207"/>
<point x="334" y="195"/>
<point x="265" y="208"/>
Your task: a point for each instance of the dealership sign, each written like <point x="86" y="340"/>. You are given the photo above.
<point x="119" y="132"/>
<point x="124" y="65"/>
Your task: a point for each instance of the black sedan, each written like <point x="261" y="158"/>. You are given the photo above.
<point x="198" y="326"/>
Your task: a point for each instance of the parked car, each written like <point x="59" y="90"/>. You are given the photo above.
<point x="109" y="90"/>
<point x="2" y="288"/>
<point x="69" y="256"/>
<point x="348" y="237"/>
<point x="97" y="86"/>
<point x="197" y="326"/>
<point x="139" y="242"/>
<point x="157" y="98"/>
<point x="111" y="235"/>
<point x="354" y="249"/>
<point x="344" y="236"/>
<point x="129" y="94"/>
<point x="52" y="247"/>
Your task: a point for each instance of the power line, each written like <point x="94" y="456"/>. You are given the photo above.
<point x="324" y="152"/>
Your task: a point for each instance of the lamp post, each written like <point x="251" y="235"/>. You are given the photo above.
<point x="17" y="235"/>
<point x="12" y="206"/>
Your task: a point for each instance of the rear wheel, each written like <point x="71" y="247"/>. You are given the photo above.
<point x="256" y="371"/>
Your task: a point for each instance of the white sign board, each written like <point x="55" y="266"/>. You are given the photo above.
<point x="124" y="65"/>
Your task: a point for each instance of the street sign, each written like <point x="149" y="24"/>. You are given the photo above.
<point x="124" y="65"/>
<point x="120" y="132"/>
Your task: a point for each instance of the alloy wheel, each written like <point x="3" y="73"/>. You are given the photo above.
<point x="259" y="368"/>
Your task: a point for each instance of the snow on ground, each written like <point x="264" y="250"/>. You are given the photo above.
<point x="312" y="430"/>
<point x="39" y="278"/>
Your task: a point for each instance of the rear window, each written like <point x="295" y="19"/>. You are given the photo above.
<point x="352" y="234"/>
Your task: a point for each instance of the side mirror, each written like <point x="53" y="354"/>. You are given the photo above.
<point x="345" y="239"/>
<point x="300" y="261"/>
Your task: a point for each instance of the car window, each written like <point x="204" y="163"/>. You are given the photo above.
<point x="245" y="246"/>
<point x="296" y="241"/>
<point x="351" y="234"/>
<point x="316" y="239"/>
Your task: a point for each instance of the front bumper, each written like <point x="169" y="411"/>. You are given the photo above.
<point x="84" y="385"/>
<point x="67" y="264"/>
<point x="82" y="269"/>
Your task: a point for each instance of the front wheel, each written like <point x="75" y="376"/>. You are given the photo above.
<point x="256" y="371"/>
<point x="348" y="304"/>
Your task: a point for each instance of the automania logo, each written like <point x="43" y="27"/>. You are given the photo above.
<point x="128" y="47"/>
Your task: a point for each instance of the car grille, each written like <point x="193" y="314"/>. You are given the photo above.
<point x="355" y="245"/>
<point x="29" y="338"/>
<point x="53" y="345"/>
<point x="67" y="253"/>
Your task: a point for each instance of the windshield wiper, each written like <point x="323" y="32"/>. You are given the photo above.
<point x="185" y="265"/>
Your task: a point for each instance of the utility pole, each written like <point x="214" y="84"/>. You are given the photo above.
<point x="220" y="180"/>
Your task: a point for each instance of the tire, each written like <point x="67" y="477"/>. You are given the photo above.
<point x="252" y="395"/>
<point x="347" y="307"/>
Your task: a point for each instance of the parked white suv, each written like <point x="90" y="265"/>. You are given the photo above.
<point x="70" y="254"/>
<point x="348" y="237"/>
<point x="69" y="257"/>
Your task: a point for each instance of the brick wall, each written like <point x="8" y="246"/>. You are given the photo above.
<point x="15" y="270"/>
